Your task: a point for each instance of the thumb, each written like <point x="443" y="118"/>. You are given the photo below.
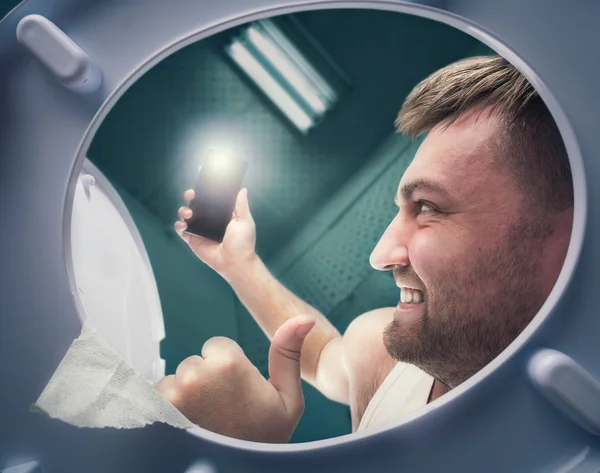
<point x="284" y="360"/>
<point x="242" y="209"/>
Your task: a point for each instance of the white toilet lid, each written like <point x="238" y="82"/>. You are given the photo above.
<point x="114" y="276"/>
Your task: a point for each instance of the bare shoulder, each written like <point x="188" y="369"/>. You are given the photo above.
<point x="366" y="359"/>
<point x="366" y="332"/>
<point x="373" y="321"/>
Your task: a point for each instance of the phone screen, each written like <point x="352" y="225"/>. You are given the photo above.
<point x="217" y="186"/>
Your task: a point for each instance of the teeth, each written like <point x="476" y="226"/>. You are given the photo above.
<point x="410" y="296"/>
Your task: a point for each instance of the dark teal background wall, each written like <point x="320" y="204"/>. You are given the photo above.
<point x="320" y="201"/>
<point x="6" y="6"/>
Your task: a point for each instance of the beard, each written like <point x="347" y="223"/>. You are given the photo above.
<point x="473" y="309"/>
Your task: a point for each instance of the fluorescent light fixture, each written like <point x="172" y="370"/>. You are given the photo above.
<point x="259" y="74"/>
<point x="287" y="68"/>
<point x="280" y="70"/>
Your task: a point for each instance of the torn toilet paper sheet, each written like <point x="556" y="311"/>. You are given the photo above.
<point x="94" y="387"/>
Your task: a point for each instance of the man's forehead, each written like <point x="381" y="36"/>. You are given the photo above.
<point x="455" y="160"/>
<point x="437" y="172"/>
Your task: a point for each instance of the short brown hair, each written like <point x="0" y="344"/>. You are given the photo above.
<point x="530" y="141"/>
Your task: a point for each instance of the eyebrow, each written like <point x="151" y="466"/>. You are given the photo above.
<point x="407" y="190"/>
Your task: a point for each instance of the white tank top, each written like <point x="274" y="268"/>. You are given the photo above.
<point x="404" y="390"/>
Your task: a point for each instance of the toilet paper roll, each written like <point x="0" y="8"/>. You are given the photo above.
<point x="94" y="387"/>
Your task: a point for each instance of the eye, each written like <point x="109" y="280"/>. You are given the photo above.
<point x="424" y="207"/>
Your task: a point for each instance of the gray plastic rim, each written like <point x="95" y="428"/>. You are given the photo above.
<point x="462" y="24"/>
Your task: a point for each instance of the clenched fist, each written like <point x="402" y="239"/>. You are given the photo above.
<point x="223" y="392"/>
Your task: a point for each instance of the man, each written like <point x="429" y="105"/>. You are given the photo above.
<point x="484" y="220"/>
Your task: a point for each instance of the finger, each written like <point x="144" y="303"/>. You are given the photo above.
<point x="180" y="228"/>
<point x="284" y="360"/>
<point x="188" y="371"/>
<point x="185" y="212"/>
<point x="168" y="388"/>
<point x="196" y="242"/>
<point x="200" y="245"/>
<point x="242" y="208"/>
<point x="221" y="348"/>
<point x="189" y="195"/>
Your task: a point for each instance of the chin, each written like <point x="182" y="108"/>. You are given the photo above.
<point x="399" y="333"/>
<point x="403" y="335"/>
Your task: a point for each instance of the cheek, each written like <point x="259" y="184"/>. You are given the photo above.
<point x="435" y="255"/>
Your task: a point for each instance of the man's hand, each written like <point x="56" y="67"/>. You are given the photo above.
<point x="238" y="244"/>
<point x="223" y="392"/>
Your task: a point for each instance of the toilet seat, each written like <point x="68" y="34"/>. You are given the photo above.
<point x="113" y="274"/>
<point x="515" y="415"/>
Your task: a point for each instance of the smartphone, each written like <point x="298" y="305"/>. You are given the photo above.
<point x="218" y="184"/>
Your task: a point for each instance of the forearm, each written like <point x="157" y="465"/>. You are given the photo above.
<point x="271" y="304"/>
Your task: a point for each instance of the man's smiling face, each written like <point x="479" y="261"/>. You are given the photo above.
<point x="464" y="251"/>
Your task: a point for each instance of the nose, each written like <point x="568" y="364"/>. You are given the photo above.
<point x="392" y="248"/>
